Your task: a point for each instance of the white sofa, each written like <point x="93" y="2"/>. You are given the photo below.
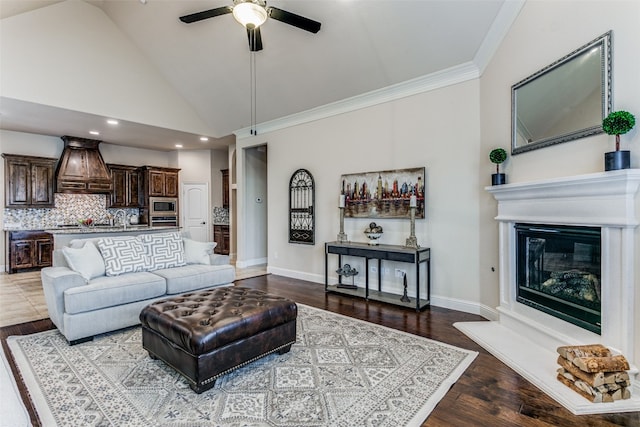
<point x="101" y="284"/>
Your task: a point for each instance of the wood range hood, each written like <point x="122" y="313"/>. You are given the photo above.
<point x="81" y="169"/>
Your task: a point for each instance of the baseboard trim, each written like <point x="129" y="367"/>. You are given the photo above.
<point x="465" y="306"/>
<point x="294" y="274"/>
<point x="251" y="262"/>
<point x="438" y="301"/>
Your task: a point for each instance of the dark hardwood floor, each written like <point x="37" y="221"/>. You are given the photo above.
<point x="487" y="394"/>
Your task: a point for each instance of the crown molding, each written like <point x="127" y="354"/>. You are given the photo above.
<point x="501" y="24"/>
<point x="437" y="80"/>
<point x="450" y="76"/>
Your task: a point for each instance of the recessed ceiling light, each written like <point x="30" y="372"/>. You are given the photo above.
<point x="178" y="145"/>
<point x="94" y="132"/>
<point x="204" y="138"/>
<point x="112" y="122"/>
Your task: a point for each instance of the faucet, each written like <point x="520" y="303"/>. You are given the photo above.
<point x="124" y="217"/>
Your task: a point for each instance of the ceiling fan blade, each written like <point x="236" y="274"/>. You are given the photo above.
<point x="206" y="14"/>
<point x="293" y="19"/>
<point x="255" y="39"/>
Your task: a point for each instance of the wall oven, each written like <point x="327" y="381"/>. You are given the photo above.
<point x="163" y="206"/>
<point x="163" y="221"/>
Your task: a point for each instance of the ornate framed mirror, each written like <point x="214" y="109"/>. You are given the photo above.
<point x="564" y="101"/>
<point x="301" y="202"/>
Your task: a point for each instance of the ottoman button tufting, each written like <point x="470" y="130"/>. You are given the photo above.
<point x="232" y="328"/>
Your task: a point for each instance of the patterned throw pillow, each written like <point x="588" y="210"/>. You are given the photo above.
<point x="164" y="250"/>
<point x="123" y="255"/>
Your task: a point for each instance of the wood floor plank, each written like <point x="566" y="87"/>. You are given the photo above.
<point x="489" y="393"/>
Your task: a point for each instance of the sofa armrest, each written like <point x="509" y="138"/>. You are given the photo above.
<point x="56" y="280"/>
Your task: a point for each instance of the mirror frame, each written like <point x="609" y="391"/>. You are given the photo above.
<point x="604" y="43"/>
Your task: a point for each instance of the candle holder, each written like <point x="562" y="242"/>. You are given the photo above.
<point x="412" y="241"/>
<point x="342" y="237"/>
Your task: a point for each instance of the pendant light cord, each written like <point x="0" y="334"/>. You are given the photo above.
<point x="253" y="84"/>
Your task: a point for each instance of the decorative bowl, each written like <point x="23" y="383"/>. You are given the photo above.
<point x="88" y="222"/>
<point x="373" y="237"/>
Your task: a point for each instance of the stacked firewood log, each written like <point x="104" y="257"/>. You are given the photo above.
<point x="594" y="372"/>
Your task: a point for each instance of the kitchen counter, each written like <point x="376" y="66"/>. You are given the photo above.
<point x="109" y="229"/>
<point x="62" y="236"/>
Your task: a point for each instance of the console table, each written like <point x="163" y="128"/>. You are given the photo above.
<point x="380" y="252"/>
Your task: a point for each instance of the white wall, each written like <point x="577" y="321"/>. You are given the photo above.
<point x="544" y="32"/>
<point x="79" y="60"/>
<point x="439" y="130"/>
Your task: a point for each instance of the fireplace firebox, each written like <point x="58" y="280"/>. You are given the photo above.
<point x="558" y="272"/>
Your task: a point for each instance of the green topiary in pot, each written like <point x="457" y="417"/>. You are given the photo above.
<point x="618" y="123"/>
<point x="498" y="156"/>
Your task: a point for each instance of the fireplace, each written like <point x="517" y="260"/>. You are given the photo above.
<point x="558" y="272"/>
<point x="524" y="336"/>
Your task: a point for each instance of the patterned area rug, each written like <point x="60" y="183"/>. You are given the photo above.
<point x="340" y="372"/>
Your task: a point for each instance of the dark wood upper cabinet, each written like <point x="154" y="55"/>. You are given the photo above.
<point x="160" y="182"/>
<point x="81" y="168"/>
<point x="29" y="181"/>
<point x="126" y="186"/>
<point x="225" y="188"/>
<point x="171" y="184"/>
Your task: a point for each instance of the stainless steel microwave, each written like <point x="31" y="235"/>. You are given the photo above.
<point x="163" y="206"/>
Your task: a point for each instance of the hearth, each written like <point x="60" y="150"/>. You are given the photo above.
<point x="558" y="272"/>
<point x="526" y="338"/>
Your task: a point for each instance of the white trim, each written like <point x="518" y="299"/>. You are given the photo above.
<point x="457" y="74"/>
<point x="294" y="274"/>
<point x="454" y="75"/>
<point x="464" y="306"/>
<point x="437" y="301"/>
<point x="501" y="24"/>
<point x="251" y="262"/>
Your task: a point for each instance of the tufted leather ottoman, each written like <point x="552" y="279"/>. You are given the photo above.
<point x="203" y="335"/>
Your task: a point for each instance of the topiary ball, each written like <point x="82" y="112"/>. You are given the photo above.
<point x="498" y="155"/>
<point x="618" y="123"/>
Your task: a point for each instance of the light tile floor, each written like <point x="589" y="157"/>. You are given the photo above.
<point x="22" y="299"/>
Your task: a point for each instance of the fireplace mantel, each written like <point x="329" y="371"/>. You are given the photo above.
<point x="525" y="338"/>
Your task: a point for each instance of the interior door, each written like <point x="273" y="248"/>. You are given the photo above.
<point x="195" y="211"/>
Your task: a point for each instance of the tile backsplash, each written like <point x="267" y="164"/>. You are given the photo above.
<point x="220" y="215"/>
<point x="69" y="209"/>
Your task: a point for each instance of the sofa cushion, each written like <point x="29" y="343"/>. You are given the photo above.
<point x="106" y="291"/>
<point x="196" y="276"/>
<point x="165" y="250"/>
<point x="196" y="252"/>
<point x="86" y="260"/>
<point x="123" y="255"/>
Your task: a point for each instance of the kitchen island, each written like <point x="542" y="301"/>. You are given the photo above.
<point x="63" y="235"/>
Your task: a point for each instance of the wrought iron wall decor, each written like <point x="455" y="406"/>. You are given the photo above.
<point x="384" y="194"/>
<point x="301" y="211"/>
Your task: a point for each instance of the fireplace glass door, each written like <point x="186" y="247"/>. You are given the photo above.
<point x="558" y="272"/>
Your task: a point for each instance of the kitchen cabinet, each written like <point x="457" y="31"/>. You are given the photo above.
<point x="28" y="181"/>
<point x="29" y="250"/>
<point x="221" y="237"/>
<point x="225" y="188"/>
<point x="126" y="186"/>
<point x="161" y="182"/>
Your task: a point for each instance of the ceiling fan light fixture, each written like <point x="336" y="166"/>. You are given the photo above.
<point x="249" y="13"/>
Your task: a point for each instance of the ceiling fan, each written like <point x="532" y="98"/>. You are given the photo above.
<point x="252" y="14"/>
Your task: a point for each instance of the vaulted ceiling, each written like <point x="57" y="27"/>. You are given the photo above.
<point x="363" y="46"/>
